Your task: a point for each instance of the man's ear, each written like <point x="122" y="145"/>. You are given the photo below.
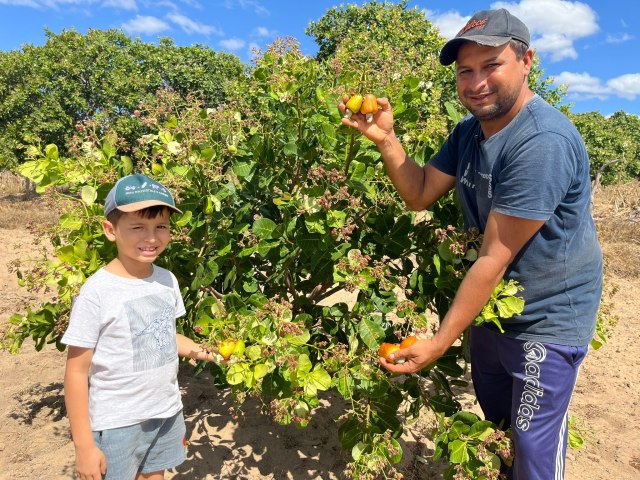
<point x="528" y="61"/>
<point x="109" y="230"/>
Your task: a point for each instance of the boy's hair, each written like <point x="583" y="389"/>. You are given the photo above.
<point x="149" y="212"/>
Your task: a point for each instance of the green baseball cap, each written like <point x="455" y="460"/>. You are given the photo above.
<point x="136" y="192"/>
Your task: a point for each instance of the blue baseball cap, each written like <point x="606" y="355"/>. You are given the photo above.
<point x="491" y="28"/>
<point x="136" y="192"/>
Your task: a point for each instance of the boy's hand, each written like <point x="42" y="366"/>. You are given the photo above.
<point x="91" y="463"/>
<point x="379" y="129"/>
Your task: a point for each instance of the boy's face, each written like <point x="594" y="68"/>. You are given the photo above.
<point x="139" y="240"/>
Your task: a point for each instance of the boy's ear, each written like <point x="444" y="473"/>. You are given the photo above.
<point x="109" y="230"/>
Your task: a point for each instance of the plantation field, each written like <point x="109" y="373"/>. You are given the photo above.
<point x="34" y="433"/>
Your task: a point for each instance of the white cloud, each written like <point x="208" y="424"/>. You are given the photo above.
<point x="586" y="86"/>
<point x="626" y="86"/>
<point x="145" y="25"/>
<point x="449" y="23"/>
<point x="619" y="38"/>
<point x="122" y="4"/>
<point x="21" y="3"/>
<point x="555" y="25"/>
<point x="191" y="26"/>
<point x="233" y="44"/>
<point x="254" y="5"/>
<point x="264" y="32"/>
<point x="55" y="4"/>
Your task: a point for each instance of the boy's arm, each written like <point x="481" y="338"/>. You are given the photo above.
<point x="191" y="349"/>
<point x="90" y="461"/>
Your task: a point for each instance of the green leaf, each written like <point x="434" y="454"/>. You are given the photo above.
<point x="349" y="433"/>
<point x="51" y="151"/>
<point x="185" y="218"/>
<point x="242" y="169"/>
<point x="301" y="339"/>
<point x="510" y="306"/>
<point x="398" y="456"/>
<point x="263" y="228"/>
<point x="358" y="450"/>
<point x="260" y="370"/>
<point x="290" y="149"/>
<point x="71" y="222"/>
<point x="174" y="147"/>
<point x="318" y="379"/>
<point x="253" y="352"/>
<point x="238" y="372"/>
<point x="345" y="384"/>
<point x="127" y="164"/>
<point x="88" y="195"/>
<point x="458" y="452"/>
<point x="371" y="333"/>
<point x="165" y="136"/>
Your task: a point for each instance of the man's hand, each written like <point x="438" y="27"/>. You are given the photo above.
<point x="416" y="357"/>
<point x="379" y="129"/>
<point x="91" y="463"/>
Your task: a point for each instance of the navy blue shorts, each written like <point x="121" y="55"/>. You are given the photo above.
<point x="527" y="385"/>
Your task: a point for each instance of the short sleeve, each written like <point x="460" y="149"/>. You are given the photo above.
<point x="179" y="305"/>
<point x="84" y="322"/>
<point x="536" y="177"/>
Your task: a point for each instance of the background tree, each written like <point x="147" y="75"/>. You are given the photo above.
<point x="45" y="91"/>
<point x="613" y="144"/>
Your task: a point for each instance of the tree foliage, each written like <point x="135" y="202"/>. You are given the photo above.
<point x="45" y="91"/>
<point x="613" y="144"/>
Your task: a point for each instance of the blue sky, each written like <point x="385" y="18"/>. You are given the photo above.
<point x="591" y="46"/>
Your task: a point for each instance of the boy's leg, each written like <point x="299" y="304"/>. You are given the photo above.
<point x="122" y="449"/>
<point x="543" y="378"/>
<point x="151" y="476"/>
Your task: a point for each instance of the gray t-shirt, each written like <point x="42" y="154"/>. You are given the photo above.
<point x="130" y="324"/>
<point x="536" y="168"/>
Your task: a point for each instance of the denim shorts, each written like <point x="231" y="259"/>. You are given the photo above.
<point x="150" y="446"/>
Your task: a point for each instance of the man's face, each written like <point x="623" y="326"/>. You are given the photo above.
<point x="490" y="79"/>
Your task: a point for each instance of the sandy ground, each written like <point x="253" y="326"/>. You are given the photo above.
<point x="35" y="440"/>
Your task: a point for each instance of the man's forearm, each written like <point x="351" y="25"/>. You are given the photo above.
<point x="474" y="292"/>
<point x="406" y="175"/>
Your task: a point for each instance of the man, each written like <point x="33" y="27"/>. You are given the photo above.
<point x="521" y="173"/>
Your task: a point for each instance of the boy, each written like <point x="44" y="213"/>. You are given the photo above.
<point x="121" y="389"/>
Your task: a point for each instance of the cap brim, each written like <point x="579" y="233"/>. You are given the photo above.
<point x="136" y="206"/>
<point x="449" y="52"/>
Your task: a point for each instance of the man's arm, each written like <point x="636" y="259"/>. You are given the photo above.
<point x="420" y="187"/>
<point x="90" y="461"/>
<point x="504" y="237"/>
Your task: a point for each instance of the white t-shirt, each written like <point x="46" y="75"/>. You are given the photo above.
<point x="130" y="324"/>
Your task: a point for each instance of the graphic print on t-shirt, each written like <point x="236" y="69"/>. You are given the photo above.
<point x="153" y="337"/>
